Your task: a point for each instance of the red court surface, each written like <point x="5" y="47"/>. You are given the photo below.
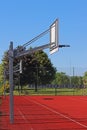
<point x="45" y="113"/>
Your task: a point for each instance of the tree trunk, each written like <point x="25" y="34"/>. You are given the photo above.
<point x="35" y="87"/>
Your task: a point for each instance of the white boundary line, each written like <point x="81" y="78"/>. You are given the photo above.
<point x="58" y="113"/>
<point x="24" y="118"/>
<point x="22" y="115"/>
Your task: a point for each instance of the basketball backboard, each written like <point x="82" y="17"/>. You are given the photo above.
<point x="54" y="37"/>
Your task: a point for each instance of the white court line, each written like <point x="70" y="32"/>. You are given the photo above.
<point x="58" y="113"/>
<point x="23" y="117"/>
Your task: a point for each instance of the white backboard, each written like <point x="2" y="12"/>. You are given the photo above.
<point x="54" y="37"/>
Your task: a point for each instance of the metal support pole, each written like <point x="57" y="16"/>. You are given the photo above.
<point x="20" y="66"/>
<point x="11" y="82"/>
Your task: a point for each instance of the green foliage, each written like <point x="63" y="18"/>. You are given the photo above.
<point x="46" y="71"/>
<point x="5" y="64"/>
<point x="76" y="81"/>
<point x="68" y="81"/>
<point x="1" y="73"/>
<point x="37" y="69"/>
<point x="61" y="79"/>
<point x="4" y="87"/>
<point x="85" y="79"/>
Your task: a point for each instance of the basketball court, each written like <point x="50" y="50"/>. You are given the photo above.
<point x="45" y="113"/>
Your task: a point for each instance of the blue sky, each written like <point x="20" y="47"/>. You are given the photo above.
<point x="22" y="20"/>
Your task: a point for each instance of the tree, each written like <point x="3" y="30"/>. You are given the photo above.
<point x="37" y="69"/>
<point x="85" y="79"/>
<point x="1" y="73"/>
<point x="61" y="79"/>
<point x="64" y="80"/>
<point x="5" y="64"/>
<point x="4" y="85"/>
<point x="46" y="71"/>
<point x="76" y="81"/>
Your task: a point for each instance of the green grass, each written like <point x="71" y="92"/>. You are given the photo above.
<point x="50" y="91"/>
<point x="53" y="91"/>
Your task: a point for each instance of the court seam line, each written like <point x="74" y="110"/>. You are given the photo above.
<point x="85" y="100"/>
<point x="81" y="99"/>
<point x="58" y="113"/>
